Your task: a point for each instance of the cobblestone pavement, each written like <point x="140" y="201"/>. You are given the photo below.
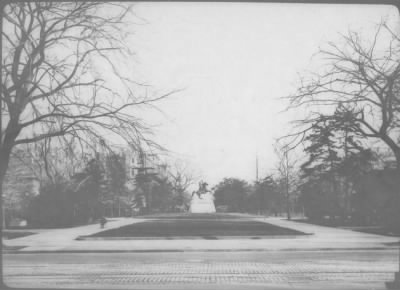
<point x="292" y="270"/>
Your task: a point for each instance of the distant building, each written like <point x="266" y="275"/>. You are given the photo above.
<point x="144" y="163"/>
<point x="137" y="163"/>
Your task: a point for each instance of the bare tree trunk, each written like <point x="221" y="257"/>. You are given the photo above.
<point x="288" y="215"/>
<point x="346" y="189"/>
<point x="2" y="220"/>
<point x="3" y="163"/>
<point x="2" y="175"/>
<point x="287" y="187"/>
<point x="119" y="205"/>
<point x="397" y="155"/>
<point x="44" y="151"/>
<point x="5" y="153"/>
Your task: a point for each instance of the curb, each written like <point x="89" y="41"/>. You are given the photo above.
<point x="256" y="237"/>
<point x="196" y="250"/>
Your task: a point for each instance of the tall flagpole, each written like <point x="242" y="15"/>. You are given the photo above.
<point x="256" y="167"/>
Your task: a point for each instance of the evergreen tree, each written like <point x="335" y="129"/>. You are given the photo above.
<point x="266" y="196"/>
<point x="336" y="161"/>
<point x="232" y="192"/>
<point x="115" y="192"/>
<point x="88" y="188"/>
<point x="322" y="151"/>
<point x="320" y="189"/>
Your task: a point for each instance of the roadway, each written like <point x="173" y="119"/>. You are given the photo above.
<point x="330" y="269"/>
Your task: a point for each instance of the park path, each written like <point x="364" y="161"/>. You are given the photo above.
<point x="56" y="239"/>
<point x="330" y="238"/>
<point x="319" y="238"/>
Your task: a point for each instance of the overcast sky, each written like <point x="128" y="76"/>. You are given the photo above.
<point x="233" y="61"/>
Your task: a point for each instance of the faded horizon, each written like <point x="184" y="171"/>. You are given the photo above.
<point x="234" y="62"/>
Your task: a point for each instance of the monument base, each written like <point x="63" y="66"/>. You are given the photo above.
<point x="198" y="205"/>
<point x="202" y="208"/>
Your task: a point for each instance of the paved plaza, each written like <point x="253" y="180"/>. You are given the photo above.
<point x="327" y="257"/>
<point x="354" y="269"/>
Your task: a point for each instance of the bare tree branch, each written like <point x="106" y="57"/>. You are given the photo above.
<point x="48" y="83"/>
<point x="361" y="79"/>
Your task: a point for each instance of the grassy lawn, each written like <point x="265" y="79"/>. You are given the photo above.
<point x="190" y="216"/>
<point x="207" y="226"/>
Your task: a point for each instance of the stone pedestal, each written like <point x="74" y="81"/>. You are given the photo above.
<point x="203" y="204"/>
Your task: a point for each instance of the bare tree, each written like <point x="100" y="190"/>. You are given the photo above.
<point x="358" y="91"/>
<point x="287" y="175"/>
<point x="181" y="178"/>
<point x="51" y="85"/>
<point x="51" y="163"/>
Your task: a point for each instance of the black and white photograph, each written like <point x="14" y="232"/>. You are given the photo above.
<point x="200" y="145"/>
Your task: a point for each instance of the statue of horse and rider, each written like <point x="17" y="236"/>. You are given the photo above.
<point x="202" y="189"/>
<point x="204" y="201"/>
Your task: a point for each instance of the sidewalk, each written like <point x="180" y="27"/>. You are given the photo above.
<point x="56" y="239"/>
<point x="320" y="238"/>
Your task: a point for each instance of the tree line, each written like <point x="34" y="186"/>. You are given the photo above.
<point x="54" y="98"/>
<point x="260" y="197"/>
<point x="340" y="162"/>
<point x="52" y="90"/>
<point x="103" y="187"/>
<point x="353" y="107"/>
